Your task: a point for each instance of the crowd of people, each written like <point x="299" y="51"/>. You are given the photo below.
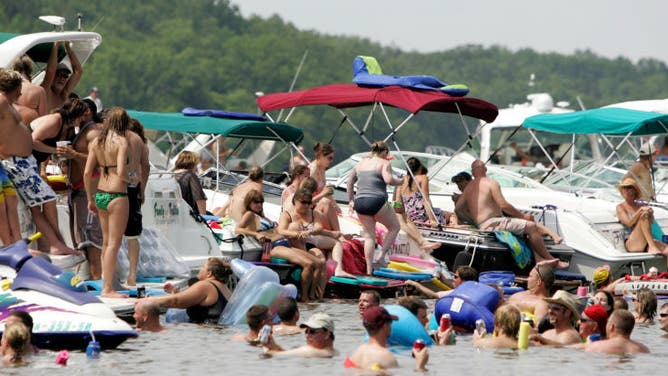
<point x="102" y="153"/>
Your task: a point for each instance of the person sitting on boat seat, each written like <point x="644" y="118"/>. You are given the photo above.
<point x="539" y="284"/>
<point x="288" y="312"/>
<point x="619" y="328"/>
<point x="205" y="300"/>
<point x="297" y="175"/>
<point x="147" y="316"/>
<point x="409" y="227"/>
<point x="255" y="223"/>
<point x="507" y="321"/>
<point x="234" y="208"/>
<point x="15" y="337"/>
<point x="483" y="202"/>
<point x="319" y="331"/>
<point x="563" y="314"/>
<point x="642" y="171"/>
<point x="462" y="179"/>
<point x="191" y="189"/>
<point x="638" y="220"/>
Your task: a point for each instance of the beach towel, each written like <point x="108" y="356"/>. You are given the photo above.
<point x="520" y="250"/>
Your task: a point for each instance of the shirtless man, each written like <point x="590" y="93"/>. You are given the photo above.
<point x="619" y="328"/>
<point x="531" y="300"/>
<point x="374" y="355"/>
<point x="367" y="299"/>
<point x="147" y="316"/>
<point x="32" y="101"/>
<point x="21" y="167"/>
<point x="663" y="319"/>
<point x="319" y="339"/>
<point x="59" y="80"/>
<point x="235" y="203"/>
<point x="483" y="202"/>
<point x="84" y="227"/>
<point x="641" y="172"/>
<point x="288" y="311"/>
<point x="563" y="313"/>
<point x="138" y="171"/>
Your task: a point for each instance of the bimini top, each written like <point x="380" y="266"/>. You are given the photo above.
<point x="38" y="45"/>
<point x="351" y="95"/>
<point x="610" y="121"/>
<point x="224" y="126"/>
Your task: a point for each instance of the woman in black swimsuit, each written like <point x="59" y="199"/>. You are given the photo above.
<point x="205" y="300"/>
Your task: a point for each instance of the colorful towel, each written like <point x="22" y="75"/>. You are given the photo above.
<point x="520" y="250"/>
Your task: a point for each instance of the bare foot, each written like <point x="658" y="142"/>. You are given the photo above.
<point x="562" y="265"/>
<point x="551" y="263"/>
<point x="429" y="246"/>
<point x="113" y="295"/>
<point x="557" y="239"/>
<point x="64" y="251"/>
<point x="131" y="282"/>
<point x="342" y="273"/>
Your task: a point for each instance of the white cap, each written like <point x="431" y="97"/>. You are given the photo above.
<point x="646" y="149"/>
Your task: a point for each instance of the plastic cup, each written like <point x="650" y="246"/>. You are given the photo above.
<point x="582" y="290"/>
<point x="62" y="144"/>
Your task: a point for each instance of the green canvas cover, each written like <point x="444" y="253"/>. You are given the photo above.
<point x="235" y="128"/>
<point x="610" y="121"/>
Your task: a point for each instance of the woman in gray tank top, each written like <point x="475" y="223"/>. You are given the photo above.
<point x="372" y="175"/>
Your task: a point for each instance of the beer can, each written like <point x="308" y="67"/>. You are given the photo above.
<point x="141" y="292"/>
<point x="480" y="327"/>
<point x="419" y="344"/>
<point x="445" y="322"/>
<point x="264" y="334"/>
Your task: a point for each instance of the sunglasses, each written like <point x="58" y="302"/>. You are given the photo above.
<point x="258" y="201"/>
<point x="556" y="307"/>
<point x="663" y="314"/>
<point x="585" y="320"/>
<point x="306" y="202"/>
<point x="315" y="331"/>
<point x="62" y="75"/>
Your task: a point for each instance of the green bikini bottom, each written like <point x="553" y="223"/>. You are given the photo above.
<point x="102" y="198"/>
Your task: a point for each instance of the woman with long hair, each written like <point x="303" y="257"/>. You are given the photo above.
<point x="254" y="223"/>
<point x="414" y="193"/>
<point x="297" y="175"/>
<point x="109" y="199"/>
<point x="324" y="155"/>
<point x="372" y="175"/>
<point x="644" y="305"/>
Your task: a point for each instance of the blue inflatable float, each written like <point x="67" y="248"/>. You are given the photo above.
<point x="406" y="329"/>
<point x="467" y="303"/>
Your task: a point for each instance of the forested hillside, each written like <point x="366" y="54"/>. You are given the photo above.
<point x="163" y="55"/>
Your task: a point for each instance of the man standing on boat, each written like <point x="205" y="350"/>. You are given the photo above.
<point x="641" y="172"/>
<point x="59" y="79"/>
<point x="483" y="202"/>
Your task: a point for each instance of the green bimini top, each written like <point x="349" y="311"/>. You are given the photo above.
<point x="226" y="127"/>
<point x="609" y="121"/>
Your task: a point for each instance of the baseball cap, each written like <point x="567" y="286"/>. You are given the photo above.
<point x="63" y="66"/>
<point x="646" y="149"/>
<point x="319" y="320"/>
<point x="375" y="317"/>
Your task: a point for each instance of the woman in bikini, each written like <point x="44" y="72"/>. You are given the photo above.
<point x="206" y="299"/>
<point x="254" y="223"/>
<point x="324" y="155"/>
<point x="372" y="174"/>
<point x="299" y="224"/>
<point x="637" y="220"/>
<point x="109" y="200"/>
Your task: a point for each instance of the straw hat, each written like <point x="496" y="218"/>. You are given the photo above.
<point x="567" y="300"/>
<point x="629" y="182"/>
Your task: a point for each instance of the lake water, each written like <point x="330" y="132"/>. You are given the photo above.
<point x="195" y="350"/>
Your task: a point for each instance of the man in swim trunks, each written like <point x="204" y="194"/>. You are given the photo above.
<point x="84" y="227"/>
<point x="138" y="171"/>
<point x="539" y="284"/>
<point x="21" y="166"/>
<point x="483" y="202"/>
<point x="319" y="331"/>
<point x="619" y="328"/>
<point x="641" y="172"/>
<point x="374" y="355"/>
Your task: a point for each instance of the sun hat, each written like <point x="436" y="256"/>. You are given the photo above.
<point x="629" y="182"/>
<point x="375" y="317"/>
<point x="319" y="320"/>
<point x="601" y="275"/>
<point x="565" y="299"/>
<point x="646" y="150"/>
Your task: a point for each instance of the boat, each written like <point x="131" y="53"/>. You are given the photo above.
<point x="65" y="314"/>
<point x="592" y="234"/>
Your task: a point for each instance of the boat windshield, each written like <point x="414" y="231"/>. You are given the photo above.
<point x="555" y="144"/>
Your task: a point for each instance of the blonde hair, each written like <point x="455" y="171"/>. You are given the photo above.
<point x="17" y="336"/>
<point x="186" y="160"/>
<point x="508" y="318"/>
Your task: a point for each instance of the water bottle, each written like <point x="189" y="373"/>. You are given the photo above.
<point x="266" y="249"/>
<point x="93" y="350"/>
<point x="523" y="337"/>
